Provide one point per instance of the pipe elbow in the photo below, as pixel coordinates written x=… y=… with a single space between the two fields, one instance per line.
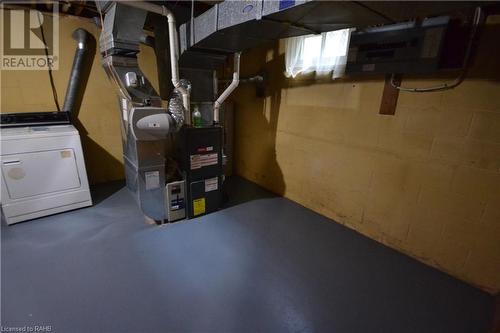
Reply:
x=81 y=36
x=167 y=13
x=234 y=84
x=170 y=16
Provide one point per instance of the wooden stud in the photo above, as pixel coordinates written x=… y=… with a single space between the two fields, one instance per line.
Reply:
x=390 y=96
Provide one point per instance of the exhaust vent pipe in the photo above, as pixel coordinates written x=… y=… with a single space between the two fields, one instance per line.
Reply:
x=229 y=89
x=82 y=64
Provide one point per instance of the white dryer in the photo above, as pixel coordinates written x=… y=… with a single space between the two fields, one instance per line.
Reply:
x=43 y=172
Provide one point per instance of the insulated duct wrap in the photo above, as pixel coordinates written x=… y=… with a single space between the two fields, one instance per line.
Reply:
x=176 y=106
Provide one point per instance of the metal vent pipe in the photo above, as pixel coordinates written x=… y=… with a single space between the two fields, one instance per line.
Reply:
x=84 y=56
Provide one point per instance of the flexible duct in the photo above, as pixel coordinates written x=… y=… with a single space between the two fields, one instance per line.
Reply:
x=83 y=57
x=174 y=44
x=176 y=105
x=229 y=89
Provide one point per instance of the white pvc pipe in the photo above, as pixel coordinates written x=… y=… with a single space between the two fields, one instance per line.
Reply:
x=230 y=89
x=174 y=44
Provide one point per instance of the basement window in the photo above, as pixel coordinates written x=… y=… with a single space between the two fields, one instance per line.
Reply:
x=323 y=54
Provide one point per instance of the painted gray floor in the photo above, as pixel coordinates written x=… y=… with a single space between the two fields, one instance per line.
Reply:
x=264 y=264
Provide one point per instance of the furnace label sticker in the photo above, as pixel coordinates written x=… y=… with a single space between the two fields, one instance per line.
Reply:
x=201 y=160
x=152 y=180
x=211 y=184
x=198 y=206
x=205 y=149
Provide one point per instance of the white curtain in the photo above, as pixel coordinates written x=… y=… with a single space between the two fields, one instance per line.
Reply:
x=322 y=53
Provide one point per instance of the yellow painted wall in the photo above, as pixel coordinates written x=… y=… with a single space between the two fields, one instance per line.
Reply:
x=98 y=120
x=425 y=181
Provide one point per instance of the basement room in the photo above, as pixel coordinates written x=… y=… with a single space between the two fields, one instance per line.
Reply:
x=250 y=166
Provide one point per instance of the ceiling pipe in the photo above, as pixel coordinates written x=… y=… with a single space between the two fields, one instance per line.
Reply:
x=230 y=89
x=174 y=44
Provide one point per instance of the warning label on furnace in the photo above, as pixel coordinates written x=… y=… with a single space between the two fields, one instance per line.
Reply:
x=198 y=206
x=201 y=160
x=211 y=184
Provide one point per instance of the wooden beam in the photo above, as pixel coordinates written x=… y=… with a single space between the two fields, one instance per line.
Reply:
x=390 y=96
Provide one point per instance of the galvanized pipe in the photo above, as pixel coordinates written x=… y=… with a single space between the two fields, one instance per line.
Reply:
x=83 y=56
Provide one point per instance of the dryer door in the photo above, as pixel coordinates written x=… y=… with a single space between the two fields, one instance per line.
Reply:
x=37 y=173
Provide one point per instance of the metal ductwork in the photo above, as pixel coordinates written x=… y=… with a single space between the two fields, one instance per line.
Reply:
x=146 y=125
x=174 y=48
x=82 y=64
x=233 y=26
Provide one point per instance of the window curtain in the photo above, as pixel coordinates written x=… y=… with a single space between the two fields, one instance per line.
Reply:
x=325 y=53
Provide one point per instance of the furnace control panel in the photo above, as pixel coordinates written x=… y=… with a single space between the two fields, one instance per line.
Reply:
x=175 y=201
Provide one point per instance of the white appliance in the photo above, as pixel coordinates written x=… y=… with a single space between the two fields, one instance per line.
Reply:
x=43 y=172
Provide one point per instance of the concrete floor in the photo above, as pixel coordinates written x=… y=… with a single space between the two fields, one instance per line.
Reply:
x=264 y=264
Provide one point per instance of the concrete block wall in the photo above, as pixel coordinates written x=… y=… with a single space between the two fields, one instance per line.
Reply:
x=98 y=119
x=425 y=181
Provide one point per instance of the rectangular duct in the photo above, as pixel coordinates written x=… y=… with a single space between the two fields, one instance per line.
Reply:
x=233 y=26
